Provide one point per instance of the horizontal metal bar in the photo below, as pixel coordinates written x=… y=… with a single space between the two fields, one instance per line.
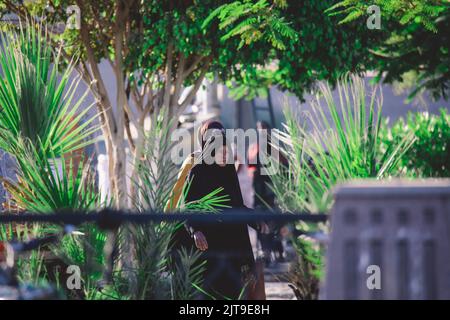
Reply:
x=110 y=217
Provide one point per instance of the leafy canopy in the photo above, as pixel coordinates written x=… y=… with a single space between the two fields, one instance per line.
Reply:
x=416 y=41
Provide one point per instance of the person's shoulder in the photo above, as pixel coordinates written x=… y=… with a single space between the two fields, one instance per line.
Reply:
x=190 y=159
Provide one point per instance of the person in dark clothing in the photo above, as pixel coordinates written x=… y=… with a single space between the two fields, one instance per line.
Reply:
x=264 y=196
x=226 y=246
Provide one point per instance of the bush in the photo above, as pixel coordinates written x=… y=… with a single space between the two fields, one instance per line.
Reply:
x=342 y=143
x=429 y=156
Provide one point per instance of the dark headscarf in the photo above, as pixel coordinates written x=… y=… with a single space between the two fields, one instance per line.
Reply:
x=210 y=177
x=209 y=125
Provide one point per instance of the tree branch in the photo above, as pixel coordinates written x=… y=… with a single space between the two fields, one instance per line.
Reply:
x=168 y=75
x=193 y=66
x=179 y=77
x=194 y=90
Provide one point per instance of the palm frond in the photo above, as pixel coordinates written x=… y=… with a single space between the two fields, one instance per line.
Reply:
x=50 y=184
x=37 y=97
x=341 y=143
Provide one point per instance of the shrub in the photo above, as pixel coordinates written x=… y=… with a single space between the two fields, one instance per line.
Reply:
x=429 y=156
x=343 y=143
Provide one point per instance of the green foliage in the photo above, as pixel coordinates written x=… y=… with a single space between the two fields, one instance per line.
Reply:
x=318 y=51
x=253 y=44
x=152 y=260
x=253 y=21
x=43 y=126
x=307 y=272
x=211 y=203
x=37 y=97
x=343 y=143
x=156 y=173
x=252 y=86
x=49 y=184
x=30 y=268
x=340 y=141
x=236 y=36
x=85 y=249
x=429 y=156
x=188 y=275
x=288 y=184
x=415 y=40
x=423 y=12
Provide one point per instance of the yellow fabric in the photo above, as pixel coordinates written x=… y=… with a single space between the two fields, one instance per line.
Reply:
x=177 y=189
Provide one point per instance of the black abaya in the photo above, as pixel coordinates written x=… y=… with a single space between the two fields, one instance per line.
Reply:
x=229 y=256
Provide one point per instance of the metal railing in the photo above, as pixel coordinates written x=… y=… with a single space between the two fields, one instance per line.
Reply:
x=111 y=220
x=112 y=217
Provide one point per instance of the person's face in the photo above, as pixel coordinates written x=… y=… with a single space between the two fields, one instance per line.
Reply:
x=222 y=155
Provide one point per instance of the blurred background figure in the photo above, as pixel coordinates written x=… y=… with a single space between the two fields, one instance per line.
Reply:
x=245 y=179
x=248 y=194
x=264 y=198
x=263 y=194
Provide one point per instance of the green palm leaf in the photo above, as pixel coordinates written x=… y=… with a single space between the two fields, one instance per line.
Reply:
x=37 y=97
x=342 y=143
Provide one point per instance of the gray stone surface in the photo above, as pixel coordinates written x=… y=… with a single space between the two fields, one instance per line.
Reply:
x=279 y=291
x=276 y=287
x=400 y=226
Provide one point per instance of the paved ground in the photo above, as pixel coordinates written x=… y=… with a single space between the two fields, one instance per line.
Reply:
x=276 y=288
